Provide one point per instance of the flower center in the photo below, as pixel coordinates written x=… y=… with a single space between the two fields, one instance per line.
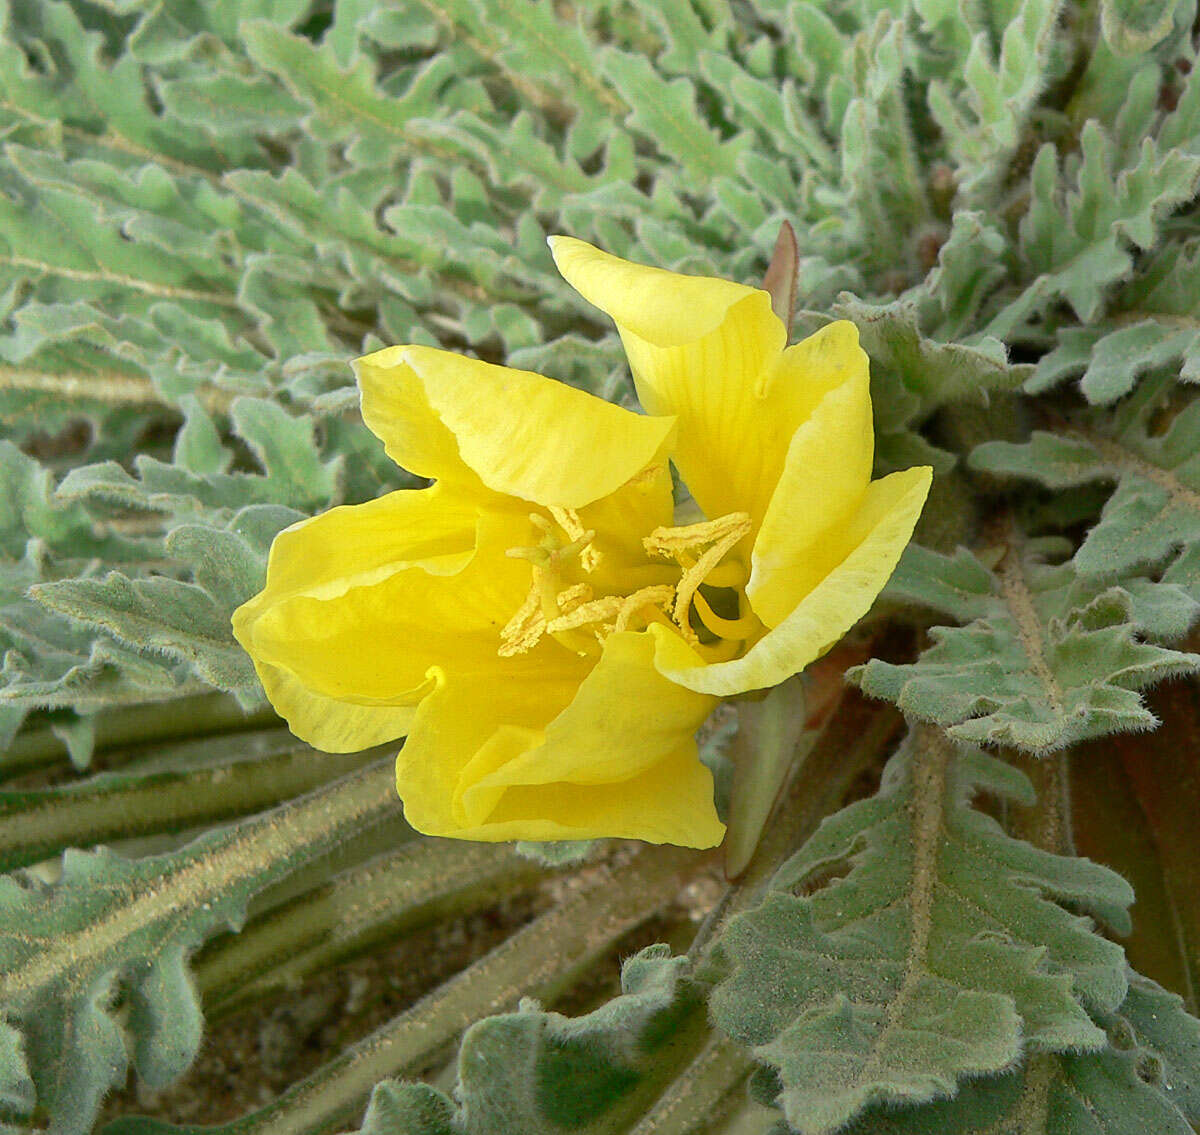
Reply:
x=706 y=605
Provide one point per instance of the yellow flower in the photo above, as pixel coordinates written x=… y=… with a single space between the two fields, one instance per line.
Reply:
x=540 y=625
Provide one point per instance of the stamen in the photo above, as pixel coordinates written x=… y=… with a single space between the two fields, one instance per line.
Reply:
x=596 y=611
x=671 y=541
x=722 y=535
x=578 y=620
x=524 y=630
x=547 y=596
x=572 y=596
x=658 y=597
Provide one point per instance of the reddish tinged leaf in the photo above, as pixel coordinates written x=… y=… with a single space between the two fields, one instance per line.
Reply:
x=1136 y=805
x=780 y=277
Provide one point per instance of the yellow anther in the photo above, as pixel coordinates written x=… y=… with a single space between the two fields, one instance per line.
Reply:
x=548 y=597
x=524 y=630
x=658 y=598
x=603 y=610
x=720 y=536
x=570 y=598
x=572 y=614
x=725 y=530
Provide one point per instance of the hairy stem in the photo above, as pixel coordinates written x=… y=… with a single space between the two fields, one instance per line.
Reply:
x=194 y=716
x=542 y=959
x=856 y=734
x=423 y=882
x=244 y=859
x=701 y=1094
x=111 y=807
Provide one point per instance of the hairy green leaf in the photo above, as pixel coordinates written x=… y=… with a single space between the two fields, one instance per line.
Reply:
x=1084 y=216
x=1046 y=656
x=1134 y=26
x=580 y=1074
x=1146 y=1080
x=944 y=953
x=1154 y=510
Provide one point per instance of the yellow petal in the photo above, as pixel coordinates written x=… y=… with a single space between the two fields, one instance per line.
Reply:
x=823 y=481
x=621 y=520
x=863 y=558
x=624 y=718
x=453 y=723
x=329 y=725
x=671 y=802
x=711 y=353
x=355 y=545
x=616 y=759
x=518 y=433
x=665 y=309
x=396 y=410
x=373 y=640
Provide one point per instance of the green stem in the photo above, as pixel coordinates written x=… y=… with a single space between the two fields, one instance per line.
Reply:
x=198 y=715
x=141 y=920
x=1046 y=823
x=851 y=742
x=763 y=750
x=426 y=881
x=699 y=1096
x=34 y=825
x=542 y=959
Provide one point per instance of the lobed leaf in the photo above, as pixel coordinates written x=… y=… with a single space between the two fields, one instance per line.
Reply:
x=1147 y=1080
x=942 y=949
x=1047 y=656
x=580 y=1074
x=1152 y=515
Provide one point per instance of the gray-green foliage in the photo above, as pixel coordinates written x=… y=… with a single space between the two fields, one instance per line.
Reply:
x=941 y=954
x=1152 y=519
x=578 y=1074
x=1047 y=657
x=1147 y=1079
x=207 y=209
x=112 y=926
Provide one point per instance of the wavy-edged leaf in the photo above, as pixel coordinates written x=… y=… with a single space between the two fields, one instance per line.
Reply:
x=1133 y=27
x=544 y=957
x=1154 y=510
x=585 y=1074
x=946 y=951
x=983 y=124
x=1046 y=657
x=1083 y=218
x=1148 y=1079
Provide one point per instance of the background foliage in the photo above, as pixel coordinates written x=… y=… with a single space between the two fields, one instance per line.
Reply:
x=207 y=209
